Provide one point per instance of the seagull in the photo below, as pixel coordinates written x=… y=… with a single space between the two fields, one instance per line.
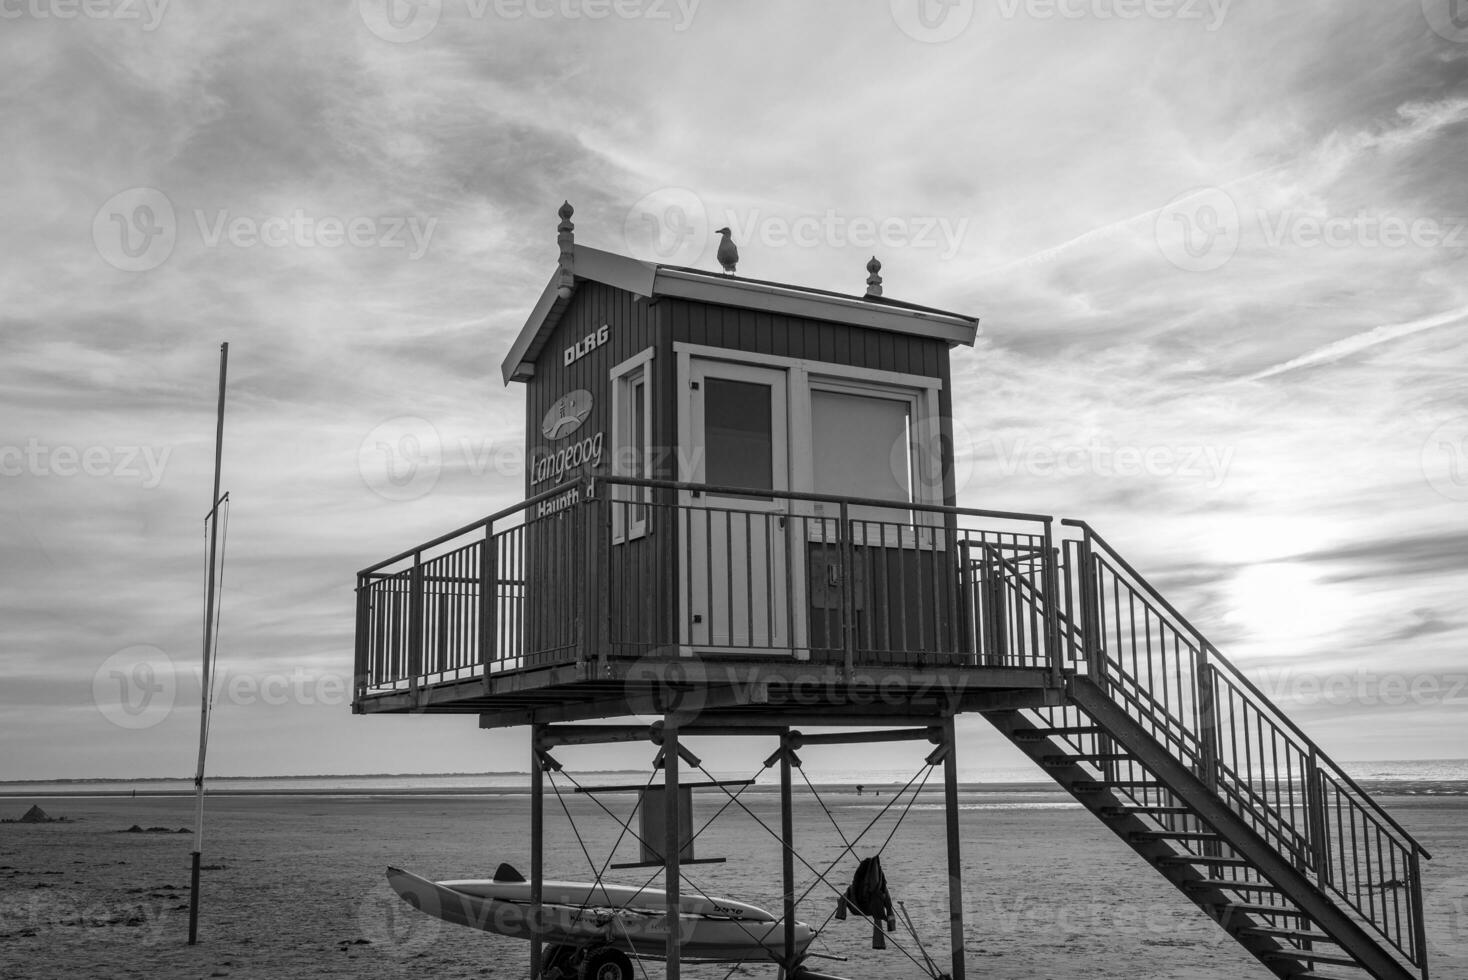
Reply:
x=728 y=252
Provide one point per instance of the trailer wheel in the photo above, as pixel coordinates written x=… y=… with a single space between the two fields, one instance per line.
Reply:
x=606 y=964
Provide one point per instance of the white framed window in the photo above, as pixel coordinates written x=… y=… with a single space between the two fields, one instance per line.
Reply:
x=862 y=444
x=631 y=384
x=854 y=432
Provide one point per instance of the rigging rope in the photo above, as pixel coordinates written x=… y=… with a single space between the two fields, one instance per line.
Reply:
x=683 y=875
x=821 y=877
x=207 y=695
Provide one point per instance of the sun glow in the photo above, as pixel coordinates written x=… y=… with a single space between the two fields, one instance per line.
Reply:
x=1283 y=605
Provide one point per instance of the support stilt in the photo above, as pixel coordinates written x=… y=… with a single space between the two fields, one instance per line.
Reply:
x=787 y=857
x=955 y=861
x=537 y=848
x=671 y=846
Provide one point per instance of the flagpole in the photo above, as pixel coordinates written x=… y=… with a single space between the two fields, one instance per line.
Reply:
x=205 y=685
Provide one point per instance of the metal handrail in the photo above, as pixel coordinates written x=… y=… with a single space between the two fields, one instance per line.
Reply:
x=1217 y=658
x=471 y=526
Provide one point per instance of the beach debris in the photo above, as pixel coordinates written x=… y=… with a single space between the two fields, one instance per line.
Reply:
x=136 y=829
x=36 y=815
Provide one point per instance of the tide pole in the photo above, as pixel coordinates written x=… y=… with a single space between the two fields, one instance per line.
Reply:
x=205 y=679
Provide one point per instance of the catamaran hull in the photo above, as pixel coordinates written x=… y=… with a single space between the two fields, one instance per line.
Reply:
x=571 y=915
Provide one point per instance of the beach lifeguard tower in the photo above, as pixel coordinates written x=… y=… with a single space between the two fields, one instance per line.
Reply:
x=740 y=518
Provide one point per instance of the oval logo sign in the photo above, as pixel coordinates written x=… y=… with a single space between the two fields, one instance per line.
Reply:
x=566 y=415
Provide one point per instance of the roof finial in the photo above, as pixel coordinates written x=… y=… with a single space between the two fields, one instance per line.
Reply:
x=874 y=278
x=567 y=241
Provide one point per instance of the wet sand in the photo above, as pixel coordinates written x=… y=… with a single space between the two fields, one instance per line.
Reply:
x=295 y=888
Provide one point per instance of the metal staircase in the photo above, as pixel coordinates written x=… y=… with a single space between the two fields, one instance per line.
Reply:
x=1193 y=767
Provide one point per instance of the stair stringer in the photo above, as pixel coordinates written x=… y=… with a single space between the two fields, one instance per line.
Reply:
x=1214 y=811
x=1091 y=793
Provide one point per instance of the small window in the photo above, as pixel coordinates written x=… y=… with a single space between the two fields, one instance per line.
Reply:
x=632 y=445
x=739 y=434
x=861 y=445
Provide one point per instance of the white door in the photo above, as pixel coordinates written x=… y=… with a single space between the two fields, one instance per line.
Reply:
x=736 y=550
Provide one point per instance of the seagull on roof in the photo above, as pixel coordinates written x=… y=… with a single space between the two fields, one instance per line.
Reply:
x=728 y=252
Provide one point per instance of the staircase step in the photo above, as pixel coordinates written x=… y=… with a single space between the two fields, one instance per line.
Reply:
x=1220 y=862
x=1293 y=955
x=1066 y=760
x=1252 y=908
x=1211 y=884
x=1096 y=786
x=1293 y=935
x=1143 y=836
x=1035 y=735
x=1160 y=811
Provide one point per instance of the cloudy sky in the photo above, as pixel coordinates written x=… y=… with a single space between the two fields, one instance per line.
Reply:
x=1218 y=250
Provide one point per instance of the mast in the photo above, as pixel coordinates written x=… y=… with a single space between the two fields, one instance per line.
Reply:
x=206 y=682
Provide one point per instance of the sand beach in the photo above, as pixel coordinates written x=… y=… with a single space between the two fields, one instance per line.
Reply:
x=294 y=886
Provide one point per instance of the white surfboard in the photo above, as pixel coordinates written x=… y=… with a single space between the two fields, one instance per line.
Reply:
x=631 y=919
